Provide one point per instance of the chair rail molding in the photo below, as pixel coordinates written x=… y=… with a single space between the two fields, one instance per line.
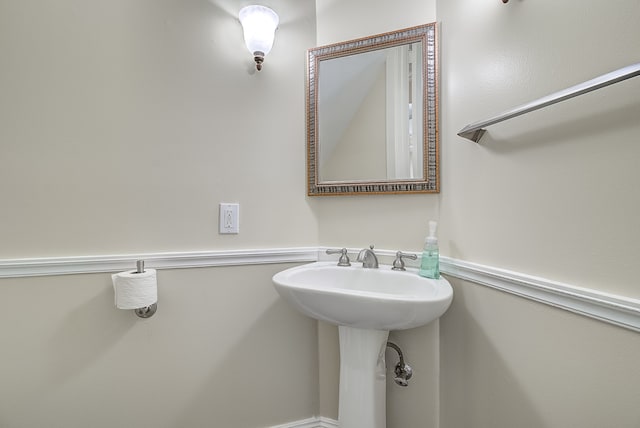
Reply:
x=614 y=309
x=45 y=266
x=619 y=310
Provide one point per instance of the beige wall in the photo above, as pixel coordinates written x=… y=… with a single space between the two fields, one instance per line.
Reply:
x=222 y=342
x=509 y=362
x=122 y=126
x=551 y=194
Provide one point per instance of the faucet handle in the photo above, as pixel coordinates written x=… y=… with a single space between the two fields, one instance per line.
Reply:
x=344 y=258
x=398 y=263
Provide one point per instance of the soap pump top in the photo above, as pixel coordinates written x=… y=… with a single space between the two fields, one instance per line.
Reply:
x=432 y=239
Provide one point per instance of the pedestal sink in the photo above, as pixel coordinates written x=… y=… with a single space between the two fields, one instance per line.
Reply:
x=366 y=304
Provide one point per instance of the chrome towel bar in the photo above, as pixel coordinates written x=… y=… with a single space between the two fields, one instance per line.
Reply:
x=475 y=131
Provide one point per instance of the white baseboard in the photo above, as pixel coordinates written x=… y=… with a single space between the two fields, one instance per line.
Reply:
x=318 y=422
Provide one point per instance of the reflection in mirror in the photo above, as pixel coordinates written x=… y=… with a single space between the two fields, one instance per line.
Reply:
x=367 y=107
x=372 y=115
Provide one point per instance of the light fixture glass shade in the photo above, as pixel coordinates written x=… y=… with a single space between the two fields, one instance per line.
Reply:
x=259 y=24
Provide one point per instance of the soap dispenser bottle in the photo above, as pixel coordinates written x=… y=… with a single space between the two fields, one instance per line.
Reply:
x=430 y=263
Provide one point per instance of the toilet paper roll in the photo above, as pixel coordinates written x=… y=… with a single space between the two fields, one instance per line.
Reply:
x=135 y=290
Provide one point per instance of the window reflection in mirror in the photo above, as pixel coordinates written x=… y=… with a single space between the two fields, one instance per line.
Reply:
x=367 y=111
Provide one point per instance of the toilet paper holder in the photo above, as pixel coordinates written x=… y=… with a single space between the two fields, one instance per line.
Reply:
x=146 y=311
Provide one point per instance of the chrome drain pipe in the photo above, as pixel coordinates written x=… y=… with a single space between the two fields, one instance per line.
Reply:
x=402 y=371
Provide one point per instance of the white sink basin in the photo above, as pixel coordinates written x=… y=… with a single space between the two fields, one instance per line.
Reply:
x=376 y=299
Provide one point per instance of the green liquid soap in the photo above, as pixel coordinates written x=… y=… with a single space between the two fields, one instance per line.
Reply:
x=430 y=263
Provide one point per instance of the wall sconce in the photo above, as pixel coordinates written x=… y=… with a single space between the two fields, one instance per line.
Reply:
x=259 y=24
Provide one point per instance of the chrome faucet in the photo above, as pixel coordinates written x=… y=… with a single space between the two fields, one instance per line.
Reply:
x=368 y=258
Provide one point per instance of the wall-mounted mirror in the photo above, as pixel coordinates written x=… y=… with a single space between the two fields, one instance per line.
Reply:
x=372 y=115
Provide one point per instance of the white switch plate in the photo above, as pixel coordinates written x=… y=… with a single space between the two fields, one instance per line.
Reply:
x=229 y=218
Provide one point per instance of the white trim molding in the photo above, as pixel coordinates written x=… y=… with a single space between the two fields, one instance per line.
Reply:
x=619 y=310
x=311 y=423
x=115 y=263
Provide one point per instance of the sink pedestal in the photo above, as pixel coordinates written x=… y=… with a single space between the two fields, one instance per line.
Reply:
x=367 y=304
x=362 y=400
